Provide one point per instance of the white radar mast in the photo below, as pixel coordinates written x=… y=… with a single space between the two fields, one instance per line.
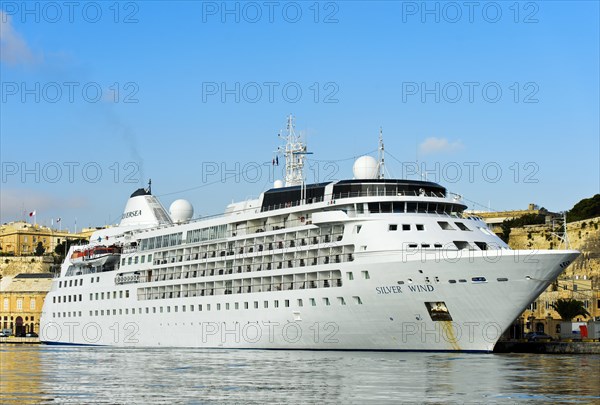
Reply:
x=381 y=163
x=294 y=152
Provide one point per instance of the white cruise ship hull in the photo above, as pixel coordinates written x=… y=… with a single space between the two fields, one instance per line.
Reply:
x=385 y=304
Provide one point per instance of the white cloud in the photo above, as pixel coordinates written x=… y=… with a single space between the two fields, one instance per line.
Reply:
x=13 y=48
x=439 y=145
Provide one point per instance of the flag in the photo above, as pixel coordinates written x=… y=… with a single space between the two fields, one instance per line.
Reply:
x=32 y=213
x=276 y=160
x=58 y=220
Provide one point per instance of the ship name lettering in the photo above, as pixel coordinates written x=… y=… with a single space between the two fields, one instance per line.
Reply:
x=393 y=289
x=421 y=288
x=130 y=214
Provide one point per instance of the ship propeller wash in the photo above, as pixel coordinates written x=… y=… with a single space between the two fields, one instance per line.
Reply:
x=368 y=263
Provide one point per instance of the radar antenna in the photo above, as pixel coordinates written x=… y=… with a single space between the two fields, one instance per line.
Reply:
x=381 y=163
x=294 y=152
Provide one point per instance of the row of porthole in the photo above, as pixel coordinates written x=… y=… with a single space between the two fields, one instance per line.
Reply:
x=462 y=280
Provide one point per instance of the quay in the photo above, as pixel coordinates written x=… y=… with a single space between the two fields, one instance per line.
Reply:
x=563 y=347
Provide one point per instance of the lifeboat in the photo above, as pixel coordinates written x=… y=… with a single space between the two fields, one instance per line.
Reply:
x=96 y=256
x=77 y=256
x=100 y=255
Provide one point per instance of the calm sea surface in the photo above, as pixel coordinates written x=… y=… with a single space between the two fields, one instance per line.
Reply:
x=40 y=374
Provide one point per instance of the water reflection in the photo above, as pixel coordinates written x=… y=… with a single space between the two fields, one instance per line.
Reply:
x=34 y=374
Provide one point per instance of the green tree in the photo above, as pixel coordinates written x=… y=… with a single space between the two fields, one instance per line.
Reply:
x=61 y=249
x=528 y=219
x=40 y=249
x=569 y=309
x=584 y=209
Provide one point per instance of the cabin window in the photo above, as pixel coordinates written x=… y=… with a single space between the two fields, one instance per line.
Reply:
x=313 y=302
x=255 y=304
x=420 y=227
x=300 y=302
x=208 y=307
x=218 y=307
x=246 y=305
x=392 y=227
x=501 y=279
x=136 y=260
x=341 y=301
x=287 y=303
x=326 y=301
x=406 y=227
x=365 y=275
x=357 y=300
x=452 y=281
x=478 y=279
x=122 y=264
x=143 y=259
x=129 y=260
x=350 y=275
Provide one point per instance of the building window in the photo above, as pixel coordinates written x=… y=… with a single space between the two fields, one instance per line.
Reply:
x=32 y=304
x=6 y=304
x=20 y=304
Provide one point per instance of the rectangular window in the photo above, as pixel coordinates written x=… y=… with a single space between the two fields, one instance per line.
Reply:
x=326 y=301
x=350 y=275
x=246 y=305
x=392 y=227
x=462 y=226
x=406 y=227
x=445 y=226
x=299 y=302
x=287 y=303
x=6 y=304
x=255 y=304
x=183 y=308
x=313 y=302
x=218 y=307
x=126 y=293
x=341 y=301
x=365 y=275
x=20 y=304
x=420 y=227
x=143 y=259
x=208 y=307
x=357 y=300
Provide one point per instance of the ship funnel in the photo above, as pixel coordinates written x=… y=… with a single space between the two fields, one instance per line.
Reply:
x=144 y=210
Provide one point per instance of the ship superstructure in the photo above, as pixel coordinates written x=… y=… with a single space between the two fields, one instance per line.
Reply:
x=367 y=263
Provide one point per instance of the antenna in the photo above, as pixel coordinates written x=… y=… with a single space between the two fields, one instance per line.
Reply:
x=294 y=153
x=381 y=164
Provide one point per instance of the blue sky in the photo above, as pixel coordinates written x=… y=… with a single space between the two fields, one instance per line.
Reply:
x=499 y=103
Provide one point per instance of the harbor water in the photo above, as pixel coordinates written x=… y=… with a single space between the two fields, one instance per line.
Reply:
x=69 y=374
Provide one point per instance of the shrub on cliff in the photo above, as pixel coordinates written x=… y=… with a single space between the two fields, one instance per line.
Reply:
x=584 y=209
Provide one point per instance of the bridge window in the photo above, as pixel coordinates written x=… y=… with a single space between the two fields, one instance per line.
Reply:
x=482 y=245
x=445 y=226
x=462 y=226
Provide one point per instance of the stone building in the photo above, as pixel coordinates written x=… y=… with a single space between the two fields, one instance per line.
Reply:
x=22 y=238
x=21 y=300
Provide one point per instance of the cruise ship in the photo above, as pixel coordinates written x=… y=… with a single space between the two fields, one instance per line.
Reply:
x=367 y=263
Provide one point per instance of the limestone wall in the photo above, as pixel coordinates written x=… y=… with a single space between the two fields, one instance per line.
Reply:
x=13 y=265
x=583 y=236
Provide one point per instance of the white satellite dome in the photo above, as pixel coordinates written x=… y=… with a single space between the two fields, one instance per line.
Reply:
x=181 y=211
x=365 y=167
x=278 y=184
